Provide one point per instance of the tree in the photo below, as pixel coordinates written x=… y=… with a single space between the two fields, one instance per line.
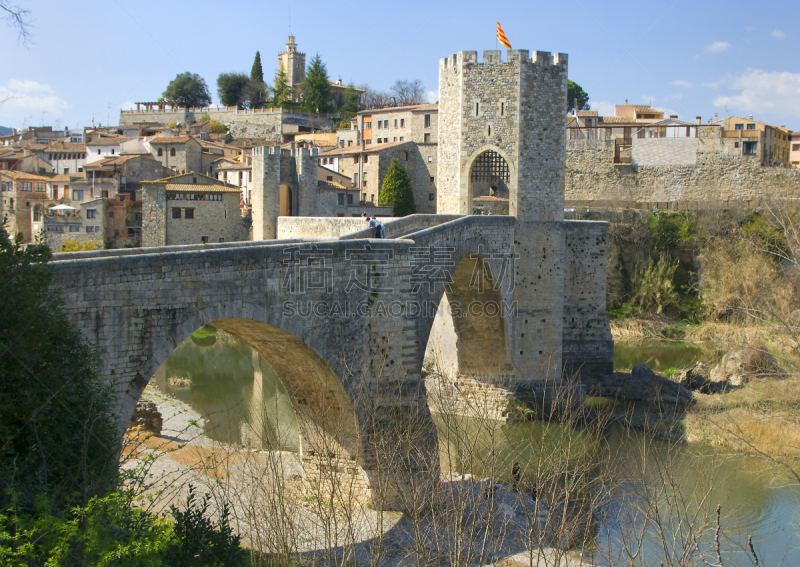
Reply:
x=351 y=99
x=408 y=92
x=396 y=190
x=317 y=87
x=58 y=436
x=256 y=91
x=17 y=17
x=575 y=91
x=188 y=90
x=230 y=88
x=281 y=91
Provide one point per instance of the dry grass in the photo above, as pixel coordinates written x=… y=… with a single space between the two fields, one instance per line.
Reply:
x=650 y=326
x=760 y=418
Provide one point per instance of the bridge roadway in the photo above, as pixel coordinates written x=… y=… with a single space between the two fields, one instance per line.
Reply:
x=344 y=323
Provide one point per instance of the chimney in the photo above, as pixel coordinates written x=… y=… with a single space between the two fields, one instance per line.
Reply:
x=699 y=120
x=675 y=116
x=751 y=117
x=715 y=117
x=626 y=102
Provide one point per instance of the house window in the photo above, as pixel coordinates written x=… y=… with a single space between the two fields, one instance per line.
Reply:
x=364 y=183
x=395 y=139
x=98 y=151
x=176 y=213
x=404 y=155
x=355 y=179
x=395 y=122
x=380 y=123
x=172 y=152
x=329 y=178
x=204 y=239
x=366 y=158
x=386 y=124
x=350 y=199
x=402 y=123
x=189 y=214
x=25 y=186
x=428 y=119
x=430 y=196
x=796 y=147
x=751 y=126
x=104 y=194
x=160 y=152
x=427 y=138
x=77 y=195
x=401 y=138
x=77 y=228
x=91 y=213
x=132 y=232
x=111 y=214
x=341 y=198
x=355 y=159
x=502 y=109
x=750 y=148
x=477 y=110
x=739 y=126
x=66 y=170
x=40 y=187
x=431 y=178
x=736 y=144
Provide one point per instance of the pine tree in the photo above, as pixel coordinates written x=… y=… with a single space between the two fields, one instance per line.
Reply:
x=397 y=191
x=281 y=91
x=317 y=87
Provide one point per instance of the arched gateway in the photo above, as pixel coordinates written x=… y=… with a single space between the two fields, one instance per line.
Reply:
x=346 y=323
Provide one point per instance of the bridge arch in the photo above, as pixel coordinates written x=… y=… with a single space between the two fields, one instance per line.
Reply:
x=325 y=411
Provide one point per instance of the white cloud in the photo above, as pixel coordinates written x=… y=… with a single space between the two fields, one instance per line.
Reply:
x=718 y=47
x=763 y=92
x=712 y=85
x=432 y=96
x=26 y=96
x=604 y=108
x=681 y=83
x=779 y=34
x=749 y=28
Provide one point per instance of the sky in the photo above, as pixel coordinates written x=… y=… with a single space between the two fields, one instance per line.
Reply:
x=88 y=59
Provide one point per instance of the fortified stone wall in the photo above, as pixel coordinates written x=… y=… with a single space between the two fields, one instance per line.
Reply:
x=719 y=177
x=214 y=221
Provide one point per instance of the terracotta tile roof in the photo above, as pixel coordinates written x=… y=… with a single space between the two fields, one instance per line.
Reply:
x=170 y=140
x=234 y=165
x=108 y=141
x=64 y=147
x=334 y=185
x=370 y=149
x=617 y=120
x=587 y=113
x=189 y=188
x=23 y=175
x=423 y=106
x=187 y=175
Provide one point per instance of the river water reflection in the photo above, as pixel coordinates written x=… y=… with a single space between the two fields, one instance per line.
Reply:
x=243 y=402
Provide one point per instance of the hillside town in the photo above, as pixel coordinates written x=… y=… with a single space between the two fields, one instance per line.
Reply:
x=95 y=187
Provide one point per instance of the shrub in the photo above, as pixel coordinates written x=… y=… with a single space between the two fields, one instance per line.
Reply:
x=396 y=190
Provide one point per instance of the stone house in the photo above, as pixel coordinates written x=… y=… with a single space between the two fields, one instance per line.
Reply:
x=22 y=194
x=190 y=209
x=123 y=220
x=773 y=147
x=123 y=174
x=181 y=154
x=85 y=224
x=416 y=123
x=367 y=168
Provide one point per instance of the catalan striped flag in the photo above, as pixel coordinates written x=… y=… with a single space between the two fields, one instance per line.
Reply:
x=501 y=36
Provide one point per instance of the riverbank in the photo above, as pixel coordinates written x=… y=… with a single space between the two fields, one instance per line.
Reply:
x=270 y=501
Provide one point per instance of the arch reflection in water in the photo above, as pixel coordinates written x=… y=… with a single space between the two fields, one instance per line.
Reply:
x=233 y=388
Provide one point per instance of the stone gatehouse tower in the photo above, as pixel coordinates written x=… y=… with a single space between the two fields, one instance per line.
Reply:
x=503 y=120
x=502 y=128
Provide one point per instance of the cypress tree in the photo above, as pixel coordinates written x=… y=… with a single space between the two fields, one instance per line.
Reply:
x=397 y=191
x=256 y=88
x=257 y=73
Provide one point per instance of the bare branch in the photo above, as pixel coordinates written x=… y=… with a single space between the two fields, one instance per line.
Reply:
x=17 y=17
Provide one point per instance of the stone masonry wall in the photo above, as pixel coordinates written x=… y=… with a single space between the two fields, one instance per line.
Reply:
x=318 y=227
x=216 y=221
x=718 y=178
x=664 y=151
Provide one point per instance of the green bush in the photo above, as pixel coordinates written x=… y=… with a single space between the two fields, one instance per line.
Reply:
x=397 y=191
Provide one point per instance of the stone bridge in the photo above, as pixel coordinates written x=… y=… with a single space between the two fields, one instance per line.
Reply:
x=345 y=323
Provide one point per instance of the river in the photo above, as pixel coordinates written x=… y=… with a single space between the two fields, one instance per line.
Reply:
x=225 y=381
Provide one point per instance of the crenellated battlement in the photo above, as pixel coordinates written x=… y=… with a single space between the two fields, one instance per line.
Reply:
x=495 y=57
x=285 y=152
